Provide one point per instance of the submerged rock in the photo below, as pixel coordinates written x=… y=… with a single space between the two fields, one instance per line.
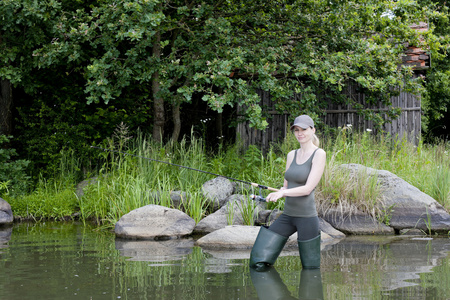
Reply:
x=154 y=222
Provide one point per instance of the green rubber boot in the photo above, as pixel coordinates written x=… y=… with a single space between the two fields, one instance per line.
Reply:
x=310 y=253
x=266 y=249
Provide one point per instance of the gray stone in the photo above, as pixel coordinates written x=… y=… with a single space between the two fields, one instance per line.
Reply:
x=262 y=217
x=154 y=222
x=407 y=206
x=242 y=188
x=179 y=199
x=229 y=214
x=412 y=231
x=79 y=190
x=6 y=214
x=243 y=237
x=273 y=216
x=330 y=230
x=217 y=190
x=356 y=223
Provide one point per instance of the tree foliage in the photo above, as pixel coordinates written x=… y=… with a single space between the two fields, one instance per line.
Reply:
x=107 y=60
x=226 y=50
x=436 y=97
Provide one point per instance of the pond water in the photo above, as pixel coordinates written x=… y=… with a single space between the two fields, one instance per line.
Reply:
x=76 y=261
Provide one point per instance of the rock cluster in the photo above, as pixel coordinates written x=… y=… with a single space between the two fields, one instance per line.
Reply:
x=407 y=209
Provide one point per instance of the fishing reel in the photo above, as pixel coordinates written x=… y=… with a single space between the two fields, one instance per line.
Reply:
x=258 y=197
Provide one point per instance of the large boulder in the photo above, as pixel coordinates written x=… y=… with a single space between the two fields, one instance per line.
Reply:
x=154 y=222
x=330 y=230
x=356 y=223
x=217 y=191
x=243 y=237
x=6 y=215
x=407 y=206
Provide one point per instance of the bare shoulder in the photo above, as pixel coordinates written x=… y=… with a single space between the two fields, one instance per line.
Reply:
x=320 y=154
x=291 y=154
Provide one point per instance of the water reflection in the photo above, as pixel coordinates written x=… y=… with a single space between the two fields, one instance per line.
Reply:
x=72 y=260
x=399 y=260
x=269 y=285
x=155 y=251
x=5 y=236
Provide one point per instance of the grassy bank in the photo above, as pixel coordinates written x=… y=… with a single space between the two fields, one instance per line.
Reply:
x=126 y=182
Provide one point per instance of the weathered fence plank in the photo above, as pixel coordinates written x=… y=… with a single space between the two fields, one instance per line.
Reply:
x=407 y=125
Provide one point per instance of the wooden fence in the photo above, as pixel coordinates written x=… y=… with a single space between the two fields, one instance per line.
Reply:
x=407 y=125
x=276 y=131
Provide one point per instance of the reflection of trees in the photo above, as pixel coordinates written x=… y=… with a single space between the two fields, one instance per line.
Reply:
x=91 y=263
x=383 y=265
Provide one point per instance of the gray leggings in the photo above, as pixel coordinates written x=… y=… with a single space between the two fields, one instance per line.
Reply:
x=307 y=228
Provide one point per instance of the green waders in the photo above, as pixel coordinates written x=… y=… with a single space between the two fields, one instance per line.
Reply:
x=310 y=253
x=267 y=248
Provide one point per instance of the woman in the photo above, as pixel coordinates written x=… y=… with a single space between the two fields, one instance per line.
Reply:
x=304 y=168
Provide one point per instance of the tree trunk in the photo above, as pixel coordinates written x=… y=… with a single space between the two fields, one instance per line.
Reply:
x=158 y=102
x=6 y=100
x=176 y=121
x=219 y=128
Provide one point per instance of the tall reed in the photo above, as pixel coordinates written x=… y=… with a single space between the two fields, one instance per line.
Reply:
x=126 y=182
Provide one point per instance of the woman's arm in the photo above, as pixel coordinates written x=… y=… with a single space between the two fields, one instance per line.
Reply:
x=317 y=168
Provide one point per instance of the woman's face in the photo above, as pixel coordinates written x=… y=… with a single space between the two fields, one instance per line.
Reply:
x=304 y=135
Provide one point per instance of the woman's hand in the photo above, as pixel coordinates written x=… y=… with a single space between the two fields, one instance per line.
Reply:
x=273 y=197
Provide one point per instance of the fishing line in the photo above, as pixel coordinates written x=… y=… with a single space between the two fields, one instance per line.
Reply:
x=189 y=168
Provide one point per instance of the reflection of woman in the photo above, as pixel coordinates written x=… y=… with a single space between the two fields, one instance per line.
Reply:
x=269 y=285
x=304 y=169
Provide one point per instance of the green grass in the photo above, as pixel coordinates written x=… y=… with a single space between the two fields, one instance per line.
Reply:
x=127 y=182
x=50 y=200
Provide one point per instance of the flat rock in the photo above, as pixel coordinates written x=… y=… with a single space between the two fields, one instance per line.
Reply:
x=243 y=237
x=154 y=222
x=357 y=223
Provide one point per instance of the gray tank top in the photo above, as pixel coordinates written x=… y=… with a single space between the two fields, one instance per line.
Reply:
x=297 y=175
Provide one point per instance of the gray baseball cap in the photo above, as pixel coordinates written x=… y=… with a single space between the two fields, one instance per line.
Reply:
x=303 y=121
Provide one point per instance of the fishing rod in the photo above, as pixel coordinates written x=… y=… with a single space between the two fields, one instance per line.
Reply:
x=259 y=198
